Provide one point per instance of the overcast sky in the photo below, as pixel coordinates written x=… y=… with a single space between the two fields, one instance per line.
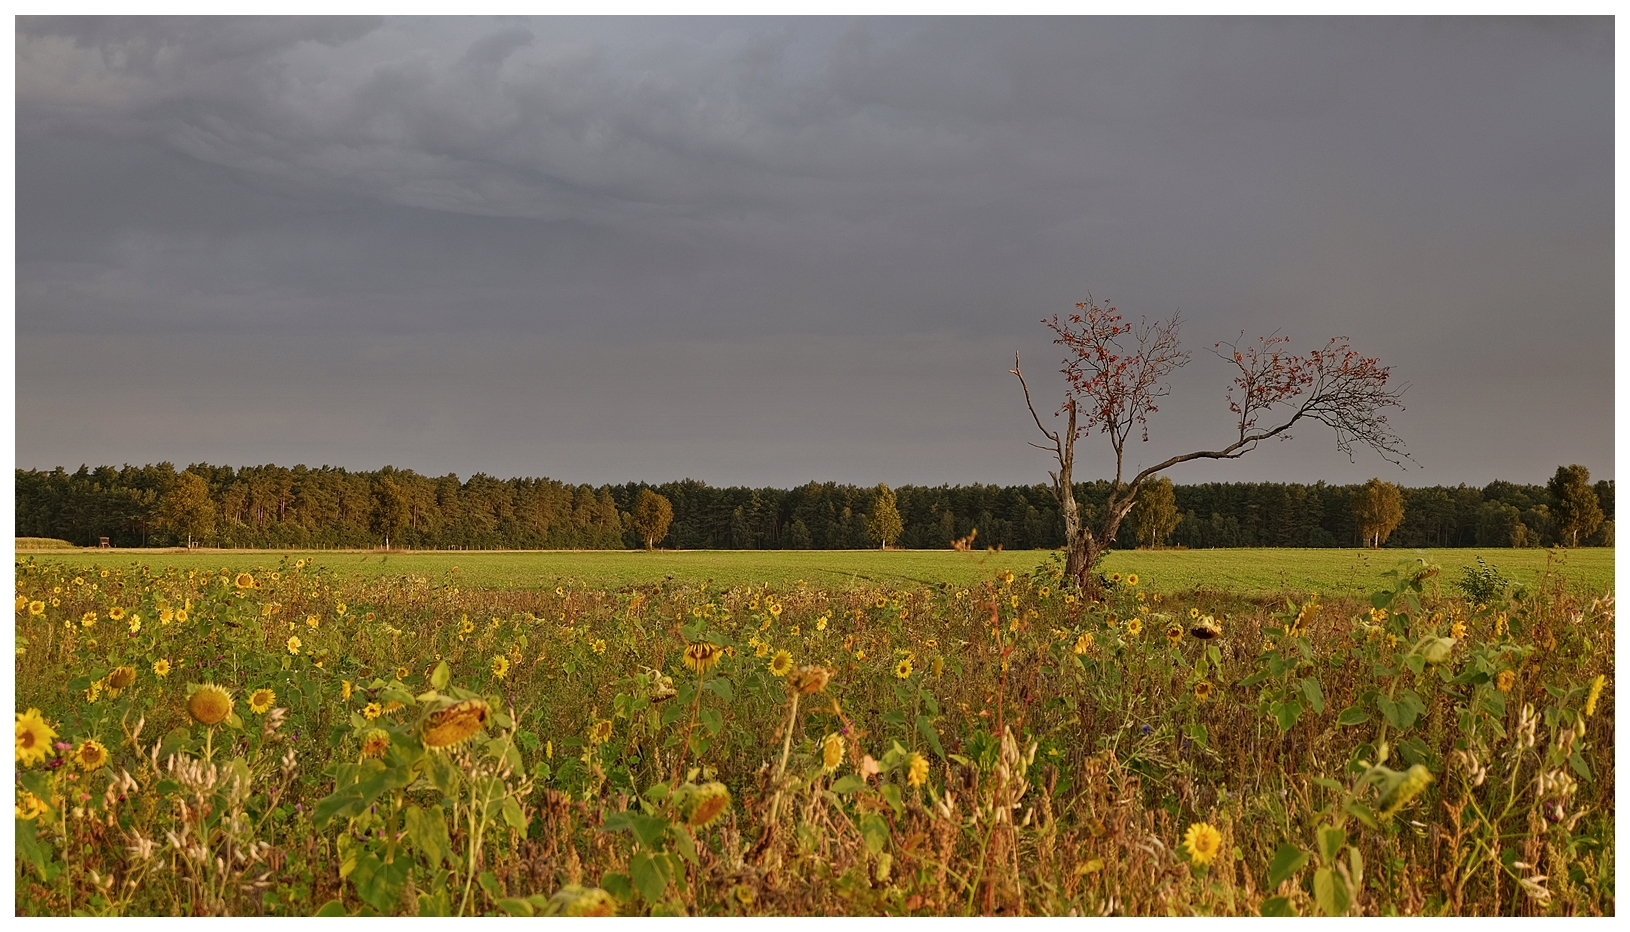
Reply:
x=765 y=251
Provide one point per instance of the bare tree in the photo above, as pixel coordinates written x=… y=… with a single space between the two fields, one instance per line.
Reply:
x=1116 y=373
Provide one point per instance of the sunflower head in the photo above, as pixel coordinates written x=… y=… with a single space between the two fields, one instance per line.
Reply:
x=245 y=581
x=375 y=743
x=116 y=613
x=121 y=677
x=90 y=755
x=1504 y=680
x=702 y=655
x=1134 y=627
x=1131 y=579
x=781 y=663
x=500 y=666
x=1202 y=841
x=1205 y=628
x=600 y=732
x=260 y=701
x=1174 y=634
x=1202 y=690
x=36 y=607
x=832 y=752
x=450 y=725
x=902 y=670
x=1397 y=789
x=575 y=900
x=1595 y=694
x=29 y=807
x=699 y=805
x=33 y=737
x=808 y=679
x=161 y=667
x=209 y=704
x=371 y=711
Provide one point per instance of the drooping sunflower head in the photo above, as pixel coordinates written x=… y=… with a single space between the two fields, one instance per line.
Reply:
x=33 y=737
x=260 y=701
x=1202 y=841
x=700 y=805
x=600 y=732
x=121 y=677
x=1504 y=680
x=209 y=704
x=1202 y=690
x=29 y=807
x=90 y=755
x=808 y=679
x=455 y=723
x=245 y=581
x=375 y=743
x=1397 y=789
x=702 y=655
x=574 y=900
x=1174 y=634
x=345 y=690
x=1205 y=628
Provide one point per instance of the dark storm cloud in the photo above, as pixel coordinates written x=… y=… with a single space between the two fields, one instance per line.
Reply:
x=764 y=251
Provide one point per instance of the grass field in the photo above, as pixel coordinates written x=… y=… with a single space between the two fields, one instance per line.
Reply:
x=1243 y=572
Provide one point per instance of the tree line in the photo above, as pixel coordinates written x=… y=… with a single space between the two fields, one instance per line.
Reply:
x=302 y=507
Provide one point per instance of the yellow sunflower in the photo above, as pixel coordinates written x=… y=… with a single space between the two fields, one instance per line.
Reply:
x=245 y=581
x=401 y=673
x=29 y=807
x=313 y=622
x=161 y=667
x=345 y=690
x=1174 y=634
x=1131 y=579
x=116 y=613
x=1595 y=694
x=90 y=755
x=181 y=615
x=1134 y=627
x=500 y=666
x=832 y=752
x=902 y=670
x=1202 y=842
x=339 y=608
x=294 y=644
x=1202 y=690
x=775 y=609
x=371 y=711
x=36 y=607
x=1194 y=613
x=87 y=620
x=209 y=704
x=33 y=737
x=781 y=663
x=260 y=701
x=1505 y=680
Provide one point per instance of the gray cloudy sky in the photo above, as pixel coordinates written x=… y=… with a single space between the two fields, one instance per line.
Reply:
x=763 y=251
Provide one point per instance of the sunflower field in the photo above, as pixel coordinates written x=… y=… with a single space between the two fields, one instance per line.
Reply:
x=284 y=740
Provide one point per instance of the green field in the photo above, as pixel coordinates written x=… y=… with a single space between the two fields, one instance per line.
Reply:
x=1244 y=571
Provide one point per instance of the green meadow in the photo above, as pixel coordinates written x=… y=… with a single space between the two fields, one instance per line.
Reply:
x=1246 y=572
